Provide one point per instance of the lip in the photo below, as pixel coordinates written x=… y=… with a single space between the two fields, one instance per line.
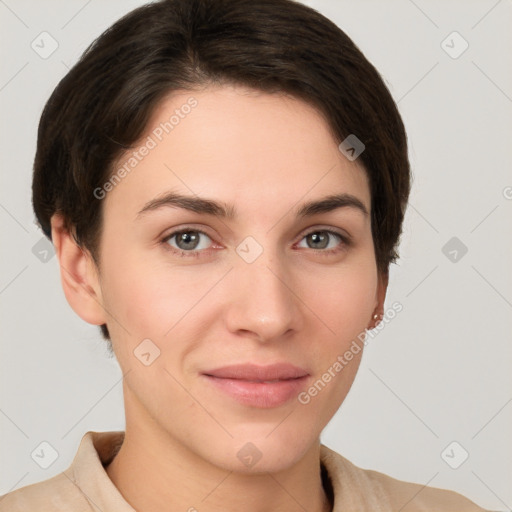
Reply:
x=258 y=386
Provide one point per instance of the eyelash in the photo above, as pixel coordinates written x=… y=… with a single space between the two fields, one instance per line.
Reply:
x=345 y=242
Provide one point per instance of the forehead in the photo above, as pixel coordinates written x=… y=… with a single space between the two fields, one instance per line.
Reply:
x=239 y=146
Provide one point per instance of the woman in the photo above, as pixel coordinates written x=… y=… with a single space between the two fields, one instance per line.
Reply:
x=225 y=184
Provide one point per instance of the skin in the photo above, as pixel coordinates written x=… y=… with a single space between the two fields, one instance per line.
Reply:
x=266 y=155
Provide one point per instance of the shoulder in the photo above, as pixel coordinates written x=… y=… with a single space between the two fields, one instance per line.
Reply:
x=370 y=490
x=57 y=494
x=83 y=487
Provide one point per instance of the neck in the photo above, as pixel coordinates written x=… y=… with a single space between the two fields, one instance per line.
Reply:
x=181 y=480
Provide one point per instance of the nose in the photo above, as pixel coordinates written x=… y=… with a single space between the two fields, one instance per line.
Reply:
x=263 y=304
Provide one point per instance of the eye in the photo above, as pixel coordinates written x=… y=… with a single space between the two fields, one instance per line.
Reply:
x=188 y=241
x=326 y=241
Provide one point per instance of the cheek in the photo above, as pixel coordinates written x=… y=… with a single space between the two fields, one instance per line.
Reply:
x=153 y=299
x=138 y=297
x=343 y=299
x=149 y=298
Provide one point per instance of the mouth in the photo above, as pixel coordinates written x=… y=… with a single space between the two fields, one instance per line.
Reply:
x=258 y=386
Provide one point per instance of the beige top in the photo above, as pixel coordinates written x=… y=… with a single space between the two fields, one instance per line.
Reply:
x=86 y=487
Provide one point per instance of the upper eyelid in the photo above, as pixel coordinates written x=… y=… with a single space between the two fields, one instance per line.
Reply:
x=336 y=231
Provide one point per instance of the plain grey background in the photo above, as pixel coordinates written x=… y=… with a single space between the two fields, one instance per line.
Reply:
x=438 y=373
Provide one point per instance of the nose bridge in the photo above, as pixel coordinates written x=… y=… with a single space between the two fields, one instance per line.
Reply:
x=262 y=301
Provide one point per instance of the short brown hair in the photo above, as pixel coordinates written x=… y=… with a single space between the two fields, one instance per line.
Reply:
x=102 y=106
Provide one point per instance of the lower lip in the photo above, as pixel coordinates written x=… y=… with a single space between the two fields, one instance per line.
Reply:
x=259 y=394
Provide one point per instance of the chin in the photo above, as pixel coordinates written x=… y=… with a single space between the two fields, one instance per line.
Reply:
x=261 y=452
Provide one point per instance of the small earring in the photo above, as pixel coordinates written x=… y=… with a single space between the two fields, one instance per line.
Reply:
x=376 y=316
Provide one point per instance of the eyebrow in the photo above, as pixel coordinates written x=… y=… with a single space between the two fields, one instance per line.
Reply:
x=222 y=210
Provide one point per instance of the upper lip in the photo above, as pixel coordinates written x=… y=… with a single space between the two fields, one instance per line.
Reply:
x=252 y=372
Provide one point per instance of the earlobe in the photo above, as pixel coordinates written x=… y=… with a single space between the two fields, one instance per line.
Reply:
x=79 y=276
x=378 y=312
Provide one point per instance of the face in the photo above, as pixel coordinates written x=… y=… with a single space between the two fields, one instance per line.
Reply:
x=226 y=318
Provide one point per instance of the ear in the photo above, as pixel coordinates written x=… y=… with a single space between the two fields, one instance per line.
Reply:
x=382 y=287
x=79 y=275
